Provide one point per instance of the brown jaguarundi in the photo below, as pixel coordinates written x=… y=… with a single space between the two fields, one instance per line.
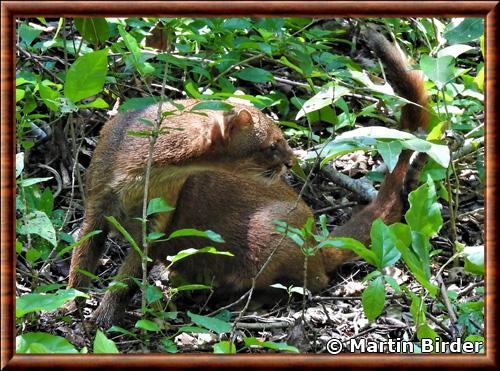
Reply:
x=243 y=141
x=242 y=209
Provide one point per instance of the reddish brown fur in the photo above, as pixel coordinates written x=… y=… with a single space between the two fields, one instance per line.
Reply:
x=242 y=210
x=240 y=141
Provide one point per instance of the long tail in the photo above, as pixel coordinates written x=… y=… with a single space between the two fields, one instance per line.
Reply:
x=390 y=202
x=406 y=82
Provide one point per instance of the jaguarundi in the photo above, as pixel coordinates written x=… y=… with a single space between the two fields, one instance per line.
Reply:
x=243 y=141
x=242 y=210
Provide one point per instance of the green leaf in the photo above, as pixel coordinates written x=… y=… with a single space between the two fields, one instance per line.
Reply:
x=137 y=103
x=236 y=23
x=147 y=325
x=131 y=43
x=190 y=232
x=49 y=97
x=28 y=34
x=468 y=29
x=426 y=332
x=191 y=287
x=474 y=259
x=390 y=153
x=424 y=215
x=86 y=75
x=20 y=94
x=440 y=70
x=295 y=234
x=103 y=345
x=158 y=205
x=211 y=323
x=454 y=50
x=82 y=239
x=383 y=245
x=254 y=74
x=438 y=152
x=33 y=255
x=46 y=201
x=189 y=252
x=125 y=234
x=155 y=236
x=437 y=131
x=97 y=103
x=29 y=303
x=324 y=98
x=41 y=342
x=121 y=330
x=417 y=263
x=373 y=298
x=270 y=345
x=168 y=345
x=225 y=347
x=30 y=181
x=479 y=79
x=153 y=294
x=212 y=105
x=376 y=132
x=393 y=283
x=94 y=30
x=37 y=222
x=353 y=245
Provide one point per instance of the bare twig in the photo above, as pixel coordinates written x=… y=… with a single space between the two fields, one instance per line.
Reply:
x=451 y=312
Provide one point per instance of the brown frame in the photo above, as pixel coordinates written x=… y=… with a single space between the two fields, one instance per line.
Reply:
x=12 y=9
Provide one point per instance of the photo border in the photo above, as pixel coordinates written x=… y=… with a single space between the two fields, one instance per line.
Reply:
x=14 y=9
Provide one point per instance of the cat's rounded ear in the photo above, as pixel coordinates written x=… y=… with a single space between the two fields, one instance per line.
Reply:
x=233 y=121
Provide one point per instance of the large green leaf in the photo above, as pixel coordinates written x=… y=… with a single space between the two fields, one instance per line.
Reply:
x=37 y=222
x=103 y=345
x=324 y=98
x=374 y=132
x=94 y=30
x=474 y=259
x=390 y=152
x=147 y=325
x=86 y=75
x=211 y=323
x=353 y=245
x=402 y=238
x=454 y=50
x=254 y=74
x=373 y=298
x=424 y=215
x=136 y=57
x=29 y=303
x=41 y=342
x=28 y=34
x=49 y=97
x=468 y=29
x=440 y=70
x=383 y=245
